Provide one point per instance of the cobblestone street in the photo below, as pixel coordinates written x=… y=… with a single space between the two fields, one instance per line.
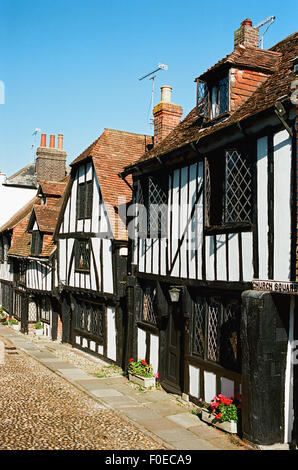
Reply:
x=40 y=410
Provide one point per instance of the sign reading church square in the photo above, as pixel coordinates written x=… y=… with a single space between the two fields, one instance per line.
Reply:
x=276 y=286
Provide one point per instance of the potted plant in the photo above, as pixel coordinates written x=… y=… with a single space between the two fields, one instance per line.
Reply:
x=222 y=413
x=141 y=373
x=38 y=328
x=14 y=324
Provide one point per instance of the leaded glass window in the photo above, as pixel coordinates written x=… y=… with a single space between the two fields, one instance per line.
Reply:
x=237 y=188
x=90 y=318
x=228 y=188
x=152 y=207
x=148 y=312
x=216 y=331
x=199 y=321
x=202 y=98
x=82 y=255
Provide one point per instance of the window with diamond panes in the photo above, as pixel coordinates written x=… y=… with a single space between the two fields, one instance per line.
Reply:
x=152 y=207
x=216 y=330
x=82 y=255
x=199 y=322
x=148 y=312
x=237 y=188
x=89 y=318
x=228 y=189
x=202 y=98
x=214 y=314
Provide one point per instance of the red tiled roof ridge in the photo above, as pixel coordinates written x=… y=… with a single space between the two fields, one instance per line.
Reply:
x=89 y=151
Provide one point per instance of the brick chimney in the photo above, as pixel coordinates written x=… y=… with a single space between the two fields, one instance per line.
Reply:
x=246 y=34
x=167 y=115
x=50 y=161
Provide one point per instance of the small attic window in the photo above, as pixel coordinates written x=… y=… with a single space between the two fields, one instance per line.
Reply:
x=213 y=98
x=36 y=244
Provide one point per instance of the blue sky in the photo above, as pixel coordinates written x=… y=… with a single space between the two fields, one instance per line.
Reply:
x=73 y=66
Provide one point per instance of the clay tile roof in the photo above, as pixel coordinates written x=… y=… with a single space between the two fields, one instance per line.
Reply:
x=46 y=218
x=277 y=85
x=111 y=153
x=53 y=188
x=248 y=56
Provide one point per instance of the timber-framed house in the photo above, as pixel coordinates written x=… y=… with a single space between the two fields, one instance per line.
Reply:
x=32 y=261
x=213 y=244
x=27 y=263
x=91 y=237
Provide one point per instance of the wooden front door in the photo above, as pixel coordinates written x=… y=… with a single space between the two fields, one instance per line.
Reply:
x=174 y=364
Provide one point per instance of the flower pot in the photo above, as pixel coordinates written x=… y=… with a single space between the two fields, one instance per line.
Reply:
x=228 y=426
x=145 y=382
x=38 y=331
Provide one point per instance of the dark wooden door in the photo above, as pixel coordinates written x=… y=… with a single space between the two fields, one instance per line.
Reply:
x=174 y=364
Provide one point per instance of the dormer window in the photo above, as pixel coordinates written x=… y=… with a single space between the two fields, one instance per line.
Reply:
x=36 y=243
x=213 y=98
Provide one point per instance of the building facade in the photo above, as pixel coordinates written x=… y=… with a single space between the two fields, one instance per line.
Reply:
x=215 y=226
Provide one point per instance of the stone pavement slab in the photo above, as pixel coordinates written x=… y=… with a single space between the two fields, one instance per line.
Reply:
x=109 y=392
x=185 y=419
x=72 y=373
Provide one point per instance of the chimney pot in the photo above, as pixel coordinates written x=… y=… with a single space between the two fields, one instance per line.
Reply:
x=52 y=141
x=43 y=140
x=166 y=94
x=246 y=22
x=60 y=141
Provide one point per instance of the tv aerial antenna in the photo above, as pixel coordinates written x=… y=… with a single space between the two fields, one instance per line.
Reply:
x=34 y=142
x=152 y=77
x=268 y=21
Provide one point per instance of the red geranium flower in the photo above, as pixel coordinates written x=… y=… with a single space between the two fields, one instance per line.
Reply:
x=131 y=359
x=218 y=416
x=144 y=362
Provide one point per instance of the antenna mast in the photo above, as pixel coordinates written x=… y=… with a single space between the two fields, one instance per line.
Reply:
x=160 y=67
x=262 y=23
x=34 y=143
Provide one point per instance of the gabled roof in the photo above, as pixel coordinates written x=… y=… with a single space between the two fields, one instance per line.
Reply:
x=110 y=153
x=276 y=86
x=46 y=217
x=24 y=177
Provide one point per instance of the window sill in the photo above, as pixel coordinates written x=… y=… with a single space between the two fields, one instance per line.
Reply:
x=211 y=121
x=82 y=271
x=148 y=326
x=232 y=228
